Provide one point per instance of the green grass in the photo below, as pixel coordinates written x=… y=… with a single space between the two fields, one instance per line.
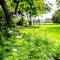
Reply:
x=52 y=31
x=45 y=36
x=40 y=42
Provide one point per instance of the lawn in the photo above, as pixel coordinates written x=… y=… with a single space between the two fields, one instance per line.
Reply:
x=51 y=31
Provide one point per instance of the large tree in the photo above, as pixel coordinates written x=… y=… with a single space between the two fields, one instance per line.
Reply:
x=29 y=7
x=8 y=17
x=33 y=8
x=36 y=8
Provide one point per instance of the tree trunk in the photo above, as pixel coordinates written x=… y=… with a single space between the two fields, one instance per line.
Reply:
x=30 y=22
x=8 y=17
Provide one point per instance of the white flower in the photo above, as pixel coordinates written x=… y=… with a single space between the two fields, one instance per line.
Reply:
x=18 y=36
x=14 y=49
x=10 y=31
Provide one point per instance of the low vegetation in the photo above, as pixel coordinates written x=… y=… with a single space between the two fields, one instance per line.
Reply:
x=34 y=43
x=20 y=39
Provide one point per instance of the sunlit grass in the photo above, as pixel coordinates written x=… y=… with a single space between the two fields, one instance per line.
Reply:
x=52 y=31
x=39 y=42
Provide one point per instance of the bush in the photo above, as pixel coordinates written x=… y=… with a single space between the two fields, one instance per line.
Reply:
x=23 y=22
x=2 y=15
x=2 y=20
x=34 y=48
x=16 y=19
x=7 y=39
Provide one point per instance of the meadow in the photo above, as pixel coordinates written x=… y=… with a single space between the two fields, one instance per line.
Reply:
x=51 y=31
x=38 y=42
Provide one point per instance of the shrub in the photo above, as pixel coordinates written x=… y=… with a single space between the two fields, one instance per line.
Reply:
x=23 y=22
x=7 y=39
x=2 y=15
x=34 y=48
x=2 y=20
x=16 y=19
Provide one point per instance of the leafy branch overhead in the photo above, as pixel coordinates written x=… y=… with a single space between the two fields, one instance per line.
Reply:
x=35 y=7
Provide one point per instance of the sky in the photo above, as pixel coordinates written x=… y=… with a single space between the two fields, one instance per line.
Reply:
x=54 y=8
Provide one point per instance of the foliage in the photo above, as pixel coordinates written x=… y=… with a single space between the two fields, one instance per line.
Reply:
x=2 y=15
x=29 y=7
x=38 y=47
x=32 y=44
x=56 y=17
x=16 y=19
x=11 y=5
x=28 y=43
x=28 y=47
x=33 y=6
x=58 y=1
x=7 y=39
x=2 y=19
x=23 y=22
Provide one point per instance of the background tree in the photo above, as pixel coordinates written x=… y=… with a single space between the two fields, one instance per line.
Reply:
x=56 y=17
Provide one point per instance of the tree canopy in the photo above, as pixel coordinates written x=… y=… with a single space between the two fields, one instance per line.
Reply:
x=35 y=7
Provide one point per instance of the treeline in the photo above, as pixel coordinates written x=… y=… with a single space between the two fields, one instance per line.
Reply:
x=29 y=7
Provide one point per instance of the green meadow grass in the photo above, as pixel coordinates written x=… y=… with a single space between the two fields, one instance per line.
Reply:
x=40 y=42
x=43 y=39
x=52 y=31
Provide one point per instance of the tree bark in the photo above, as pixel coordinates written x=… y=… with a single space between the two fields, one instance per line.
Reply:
x=8 y=17
x=30 y=22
